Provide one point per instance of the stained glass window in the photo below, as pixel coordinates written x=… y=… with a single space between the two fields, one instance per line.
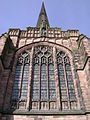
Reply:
x=52 y=83
x=18 y=75
x=43 y=82
x=35 y=85
x=62 y=83
x=21 y=79
x=24 y=87
x=66 y=86
x=69 y=79
x=46 y=89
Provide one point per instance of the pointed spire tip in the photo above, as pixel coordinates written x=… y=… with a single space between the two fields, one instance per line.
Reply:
x=42 y=16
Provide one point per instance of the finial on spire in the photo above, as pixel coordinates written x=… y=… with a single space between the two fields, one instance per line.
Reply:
x=42 y=17
x=42 y=1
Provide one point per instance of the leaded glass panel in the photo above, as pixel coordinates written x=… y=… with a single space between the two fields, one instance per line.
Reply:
x=35 y=82
x=72 y=95
x=62 y=83
x=52 y=83
x=67 y=92
x=18 y=76
x=43 y=82
x=25 y=82
x=46 y=80
x=19 y=94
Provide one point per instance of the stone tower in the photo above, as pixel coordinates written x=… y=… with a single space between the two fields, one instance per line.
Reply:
x=44 y=73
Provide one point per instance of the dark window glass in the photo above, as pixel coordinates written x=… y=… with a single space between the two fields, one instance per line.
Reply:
x=20 y=87
x=66 y=85
x=44 y=85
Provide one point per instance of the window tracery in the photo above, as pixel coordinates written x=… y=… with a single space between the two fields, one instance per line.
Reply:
x=19 y=94
x=66 y=85
x=46 y=81
x=43 y=82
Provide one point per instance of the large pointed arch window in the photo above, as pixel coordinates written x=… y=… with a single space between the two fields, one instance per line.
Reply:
x=19 y=94
x=44 y=81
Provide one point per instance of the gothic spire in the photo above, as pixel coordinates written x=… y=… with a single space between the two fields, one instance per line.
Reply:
x=42 y=17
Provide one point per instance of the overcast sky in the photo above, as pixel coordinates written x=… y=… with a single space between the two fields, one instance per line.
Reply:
x=67 y=14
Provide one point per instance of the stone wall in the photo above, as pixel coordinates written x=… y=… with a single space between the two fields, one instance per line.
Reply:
x=57 y=117
x=69 y=41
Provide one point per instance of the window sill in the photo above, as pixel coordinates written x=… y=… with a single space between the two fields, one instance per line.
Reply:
x=45 y=112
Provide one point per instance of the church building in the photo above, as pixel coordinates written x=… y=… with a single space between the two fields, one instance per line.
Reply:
x=44 y=73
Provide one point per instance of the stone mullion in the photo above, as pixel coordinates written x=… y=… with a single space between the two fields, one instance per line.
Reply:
x=21 y=79
x=47 y=85
x=19 y=94
x=28 y=105
x=56 y=79
x=66 y=83
x=39 y=102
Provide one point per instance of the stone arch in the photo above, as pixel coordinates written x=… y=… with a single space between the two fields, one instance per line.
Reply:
x=28 y=47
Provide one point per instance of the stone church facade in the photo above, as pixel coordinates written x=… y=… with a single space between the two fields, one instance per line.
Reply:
x=44 y=73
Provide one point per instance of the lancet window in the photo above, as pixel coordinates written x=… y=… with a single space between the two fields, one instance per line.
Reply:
x=20 y=87
x=43 y=83
x=66 y=85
